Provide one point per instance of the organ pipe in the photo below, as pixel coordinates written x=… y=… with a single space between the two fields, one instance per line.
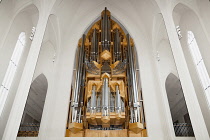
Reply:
x=118 y=101
x=132 y=73
x=79 y=73
x=106 y=33
x=76 y=90
x=93 y=100
x=105 y=98
x=117 y=46
x=94 y=46
x=134 y=90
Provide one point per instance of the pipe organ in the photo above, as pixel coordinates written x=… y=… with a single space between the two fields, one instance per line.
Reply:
x=106 y=99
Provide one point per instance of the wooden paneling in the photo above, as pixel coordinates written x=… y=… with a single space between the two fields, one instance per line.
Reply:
x=106 y=133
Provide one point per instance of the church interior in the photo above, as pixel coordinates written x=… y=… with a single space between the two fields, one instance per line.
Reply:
x=104 y=68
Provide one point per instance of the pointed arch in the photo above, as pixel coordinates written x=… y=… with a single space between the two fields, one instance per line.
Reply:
x=11 y=69
x=189 y=20
x=179 y=112
x=33 y=110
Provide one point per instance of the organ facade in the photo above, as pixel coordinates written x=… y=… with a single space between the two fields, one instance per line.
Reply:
x=106 y=97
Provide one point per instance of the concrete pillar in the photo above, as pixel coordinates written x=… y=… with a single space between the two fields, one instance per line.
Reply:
x=16 y=113
x=195 y=113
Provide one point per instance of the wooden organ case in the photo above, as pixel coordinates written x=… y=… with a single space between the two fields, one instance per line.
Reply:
x=106 y=99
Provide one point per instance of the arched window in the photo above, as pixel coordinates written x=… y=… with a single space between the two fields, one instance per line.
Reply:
x=11 y=70
x=178 y=108
x=200 y=66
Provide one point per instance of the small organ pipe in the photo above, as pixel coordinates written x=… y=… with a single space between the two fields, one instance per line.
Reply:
x=74 y=114
x=112 y=103
x=80 y=115
x=131 y=115
x=122 y=105
x=99 y=103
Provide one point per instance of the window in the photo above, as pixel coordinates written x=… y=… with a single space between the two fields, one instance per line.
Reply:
x=11 y=70
x=200 y=66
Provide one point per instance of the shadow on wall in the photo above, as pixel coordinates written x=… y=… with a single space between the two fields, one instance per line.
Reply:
x=32 y=114
x=179 y=112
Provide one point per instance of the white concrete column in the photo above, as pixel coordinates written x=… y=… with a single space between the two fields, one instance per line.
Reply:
x=16 y=113
x=195 y=113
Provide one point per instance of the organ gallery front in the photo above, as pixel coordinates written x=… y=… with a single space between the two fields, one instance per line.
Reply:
x=106 y=98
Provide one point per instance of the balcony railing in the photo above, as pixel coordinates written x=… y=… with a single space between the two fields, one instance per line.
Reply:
x=183 y=129
x=29 y=130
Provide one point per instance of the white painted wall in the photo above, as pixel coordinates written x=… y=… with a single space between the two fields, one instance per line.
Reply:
x=188 y=21
x=70 y=20
x=22 y=23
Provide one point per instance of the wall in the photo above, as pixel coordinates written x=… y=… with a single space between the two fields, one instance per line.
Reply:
x=74 y=17
x=22 y=23
x=189 y=21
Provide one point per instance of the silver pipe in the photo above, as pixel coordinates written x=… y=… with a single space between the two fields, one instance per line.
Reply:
x=135 y=114
x=117 y=47
x=129 y=85
x=111 y=102
x=131 y=113
x=82 y=87
x=77 y=84
x=74 y=114
x=93 y=100
x=88 y=104
x=132 y=73
x=99 y=103
x=79 y=117
x=105 y=98
x=94 y=46
x=118 y=101
x=122 y=105
x=79 y=73
x=133 y=79
x=138 y=114
x=106 y=34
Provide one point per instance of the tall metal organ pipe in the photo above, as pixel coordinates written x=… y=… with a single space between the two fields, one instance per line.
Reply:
x=106 y=32
x=77 y=84
x=93 y=100
x=81 y=93
x=82 y=86
x=94 y=47
x=129 y=82
x=133 y=81
x=118 y=101
x=132 y=72
x=117 y=46
x=105 y=98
